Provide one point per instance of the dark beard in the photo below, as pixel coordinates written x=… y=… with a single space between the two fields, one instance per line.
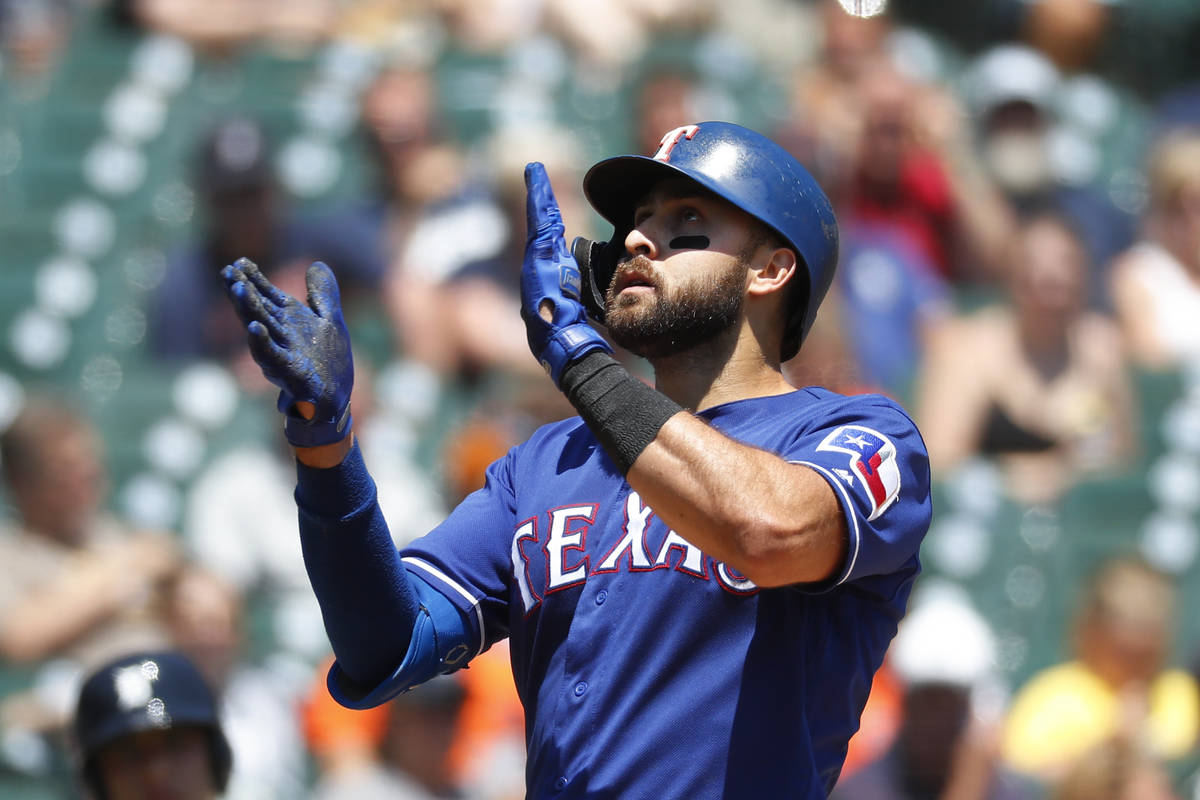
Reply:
x=695 y=315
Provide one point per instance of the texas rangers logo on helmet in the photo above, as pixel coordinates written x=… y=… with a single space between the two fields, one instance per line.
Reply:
x=671 y=138
x=872 y=463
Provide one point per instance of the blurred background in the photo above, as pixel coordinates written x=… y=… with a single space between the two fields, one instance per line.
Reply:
x=1018 y=188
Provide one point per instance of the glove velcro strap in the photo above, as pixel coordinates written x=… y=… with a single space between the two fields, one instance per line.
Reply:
x=301 y=432
x=568 y=344
x=624 y=414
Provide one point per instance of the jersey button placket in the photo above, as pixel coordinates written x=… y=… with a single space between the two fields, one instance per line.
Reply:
x=580 y=688
x=560 y=783
x=601 y=596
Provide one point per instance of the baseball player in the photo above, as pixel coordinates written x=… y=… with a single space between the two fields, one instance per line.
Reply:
x=146 y=725
x=698 y=579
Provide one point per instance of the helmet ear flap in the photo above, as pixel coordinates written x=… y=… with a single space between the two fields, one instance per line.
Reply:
x=597 y=266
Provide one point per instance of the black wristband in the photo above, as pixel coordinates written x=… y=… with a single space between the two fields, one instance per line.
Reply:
x=624 y=414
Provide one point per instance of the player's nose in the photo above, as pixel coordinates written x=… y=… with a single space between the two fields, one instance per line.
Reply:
x=639 y=243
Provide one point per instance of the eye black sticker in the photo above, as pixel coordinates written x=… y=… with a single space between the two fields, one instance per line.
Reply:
x=696 y=242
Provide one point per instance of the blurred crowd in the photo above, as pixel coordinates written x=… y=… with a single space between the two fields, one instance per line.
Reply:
x=1017 y=184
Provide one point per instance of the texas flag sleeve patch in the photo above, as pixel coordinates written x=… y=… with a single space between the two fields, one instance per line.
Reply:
x=871 y=460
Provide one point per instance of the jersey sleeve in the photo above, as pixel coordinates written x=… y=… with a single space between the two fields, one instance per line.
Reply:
x=466 y=557
x=872 y=455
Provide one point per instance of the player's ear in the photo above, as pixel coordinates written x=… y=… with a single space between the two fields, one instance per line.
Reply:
x=772 y=271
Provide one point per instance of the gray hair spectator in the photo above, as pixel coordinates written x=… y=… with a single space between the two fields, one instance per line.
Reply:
x=948 y=742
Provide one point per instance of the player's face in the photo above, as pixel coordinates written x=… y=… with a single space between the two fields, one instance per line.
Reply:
x=684 y=281
x=171 y=764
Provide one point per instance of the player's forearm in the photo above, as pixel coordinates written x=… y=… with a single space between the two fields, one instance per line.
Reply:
x=775 y=522
x=366 y=600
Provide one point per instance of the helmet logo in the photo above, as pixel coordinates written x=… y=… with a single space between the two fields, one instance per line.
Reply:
x=671 y=139
x=134 y=684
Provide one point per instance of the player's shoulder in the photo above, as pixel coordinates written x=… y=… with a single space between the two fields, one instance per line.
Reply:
x=553 y=449
x=831 y=407
x=557 y=430
x=558 y=436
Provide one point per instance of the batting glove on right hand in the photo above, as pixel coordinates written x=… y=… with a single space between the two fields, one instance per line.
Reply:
x=303 y=348
x=550 y=279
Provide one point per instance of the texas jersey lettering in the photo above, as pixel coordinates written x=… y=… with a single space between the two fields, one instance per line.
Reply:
x=625 y=636
x=559 y=558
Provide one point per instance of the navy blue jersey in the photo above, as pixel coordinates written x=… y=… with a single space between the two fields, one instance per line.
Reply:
x=646 y=668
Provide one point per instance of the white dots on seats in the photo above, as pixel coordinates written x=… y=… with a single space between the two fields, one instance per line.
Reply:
x=174 y=204
x=328 y=108
x=1025 y=587
x=151 y=501
x=113 y=168
x=39 y=340
x=65 y=286
x=162 y=62
x=1170 y=541
x=174 y=447
x=959 y=545
x=206 y=394
x=309 y=166
x=85 y=227
x=135 y=113
x=125 y=326
x=1174 y=482
x=101 y=378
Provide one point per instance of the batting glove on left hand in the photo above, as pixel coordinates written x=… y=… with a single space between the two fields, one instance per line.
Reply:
x=303 y=348
x=550 y=280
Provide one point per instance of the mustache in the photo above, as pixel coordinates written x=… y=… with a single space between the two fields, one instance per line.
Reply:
x=640 y=264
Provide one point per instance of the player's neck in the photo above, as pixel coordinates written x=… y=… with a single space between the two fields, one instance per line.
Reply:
x=707 y=376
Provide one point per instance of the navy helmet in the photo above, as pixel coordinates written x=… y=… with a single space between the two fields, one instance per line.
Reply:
x=144 y=692
x=740 y=166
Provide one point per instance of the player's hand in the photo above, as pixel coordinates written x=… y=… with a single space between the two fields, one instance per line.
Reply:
x=303 y=348
x=555 y=321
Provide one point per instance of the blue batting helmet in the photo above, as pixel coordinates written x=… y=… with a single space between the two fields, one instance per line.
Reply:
x=145 y=692
x=744 y=168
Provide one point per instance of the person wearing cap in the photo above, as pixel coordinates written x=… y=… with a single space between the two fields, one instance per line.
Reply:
x=946 y=747
x=241 y=210
x=1013 y=93
x=146 y=727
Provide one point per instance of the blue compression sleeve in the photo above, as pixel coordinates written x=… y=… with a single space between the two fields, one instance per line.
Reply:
x=438 y=644
x=367 y=600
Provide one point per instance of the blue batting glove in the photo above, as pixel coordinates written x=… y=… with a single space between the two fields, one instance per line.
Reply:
x=550 y=280
x=303 y=348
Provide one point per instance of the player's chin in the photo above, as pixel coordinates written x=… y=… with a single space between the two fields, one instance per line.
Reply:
x=634 y=328
x=629 y=310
